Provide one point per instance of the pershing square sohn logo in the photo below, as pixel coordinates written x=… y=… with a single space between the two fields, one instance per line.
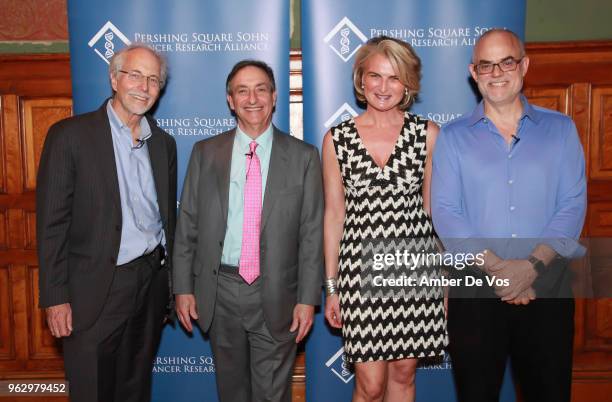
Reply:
x=106 y=40
x=345 y=39
x=339 y=366
x=344 y=113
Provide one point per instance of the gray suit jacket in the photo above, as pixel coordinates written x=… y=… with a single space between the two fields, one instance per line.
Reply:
x=291 y=242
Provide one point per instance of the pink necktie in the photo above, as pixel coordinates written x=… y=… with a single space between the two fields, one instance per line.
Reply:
x=251 y=224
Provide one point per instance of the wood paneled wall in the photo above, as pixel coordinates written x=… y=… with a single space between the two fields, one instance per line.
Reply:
x=34 y=93
x=575 y=78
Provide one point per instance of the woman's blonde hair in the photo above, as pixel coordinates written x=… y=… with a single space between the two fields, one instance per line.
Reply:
x=403 y=59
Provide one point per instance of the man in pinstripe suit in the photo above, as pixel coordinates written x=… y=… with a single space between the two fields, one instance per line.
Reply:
x=105 y=204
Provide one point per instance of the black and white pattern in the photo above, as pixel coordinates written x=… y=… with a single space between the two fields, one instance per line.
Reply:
x=385 y=204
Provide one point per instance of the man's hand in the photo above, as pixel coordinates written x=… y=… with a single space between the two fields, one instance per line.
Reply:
x=186 y=310
x=519 y=273
x=492 y=260
x=524 y=298
x=59 y=320
x=332 y=311
x=302 y=320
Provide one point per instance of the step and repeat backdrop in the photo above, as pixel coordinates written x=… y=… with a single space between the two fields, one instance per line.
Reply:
x=202 y=39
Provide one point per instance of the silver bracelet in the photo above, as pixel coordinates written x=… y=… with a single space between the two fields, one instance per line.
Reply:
x=330 y=286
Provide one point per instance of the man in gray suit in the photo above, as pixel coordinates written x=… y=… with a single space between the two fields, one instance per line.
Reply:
x=248 y=248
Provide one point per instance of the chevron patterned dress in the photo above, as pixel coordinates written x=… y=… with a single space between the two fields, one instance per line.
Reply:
x=385 y=204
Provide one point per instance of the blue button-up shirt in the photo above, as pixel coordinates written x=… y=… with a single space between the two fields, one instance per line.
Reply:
x=232 y=244
x=533 y=188
x=141 y=229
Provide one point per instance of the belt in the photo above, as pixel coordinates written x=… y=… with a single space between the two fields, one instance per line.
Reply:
x=158 y=255
x=228 y=269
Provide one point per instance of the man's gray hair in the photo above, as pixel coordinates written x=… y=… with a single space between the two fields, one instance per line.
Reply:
x=514 y=36
x=116 y=62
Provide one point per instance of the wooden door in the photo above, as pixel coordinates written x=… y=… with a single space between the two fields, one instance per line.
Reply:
x=576 y=79
x=34 y=93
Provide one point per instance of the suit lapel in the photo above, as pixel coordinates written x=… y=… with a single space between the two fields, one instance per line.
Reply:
x=159 y=159
x=276 y=174
x=103 y=146
x=223 y=164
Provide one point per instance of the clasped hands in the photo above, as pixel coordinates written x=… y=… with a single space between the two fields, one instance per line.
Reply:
x=519 y=274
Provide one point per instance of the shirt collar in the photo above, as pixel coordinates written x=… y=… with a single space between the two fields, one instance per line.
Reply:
x=264 y=140
x=528 y=111
x=145 y=128
x=477 y=115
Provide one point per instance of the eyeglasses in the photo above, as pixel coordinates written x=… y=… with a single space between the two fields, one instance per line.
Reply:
x=508 y=64
x=138 y=78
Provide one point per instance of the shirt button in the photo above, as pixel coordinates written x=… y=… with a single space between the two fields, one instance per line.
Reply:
x=513 y=234
x=509 y=156
x=512 y=208
x=510 y=181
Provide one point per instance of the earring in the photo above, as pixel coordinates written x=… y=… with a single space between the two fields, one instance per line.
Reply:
x=406 y=91
x=362 y=86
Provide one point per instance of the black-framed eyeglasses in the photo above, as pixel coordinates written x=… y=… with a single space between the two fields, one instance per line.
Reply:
x=507 y=64
x=138 y=78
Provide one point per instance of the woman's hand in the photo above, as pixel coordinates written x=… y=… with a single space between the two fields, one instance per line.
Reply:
x=332 y=311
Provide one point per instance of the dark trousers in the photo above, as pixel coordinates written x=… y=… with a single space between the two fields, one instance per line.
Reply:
x=112 y=361
x=250 y=364
x=538 y=338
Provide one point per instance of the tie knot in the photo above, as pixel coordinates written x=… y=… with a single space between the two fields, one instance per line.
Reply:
x=252 y=146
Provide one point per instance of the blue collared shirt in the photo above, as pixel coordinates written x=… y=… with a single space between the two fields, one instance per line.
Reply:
x=232 y=245
x=142 y=228
x=533 y=188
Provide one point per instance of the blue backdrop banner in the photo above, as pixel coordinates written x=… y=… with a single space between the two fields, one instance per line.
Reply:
x=201 y=39
x=442 y=32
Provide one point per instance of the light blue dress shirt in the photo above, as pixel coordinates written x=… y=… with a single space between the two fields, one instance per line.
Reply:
x=533 y=189
x=141 y=229
x=232 y=244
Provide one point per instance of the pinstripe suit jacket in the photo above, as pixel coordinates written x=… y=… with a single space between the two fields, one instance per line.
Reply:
x=78 y=210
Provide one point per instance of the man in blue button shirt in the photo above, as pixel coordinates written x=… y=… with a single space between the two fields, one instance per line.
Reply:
x=510 y=179
x=105 y=205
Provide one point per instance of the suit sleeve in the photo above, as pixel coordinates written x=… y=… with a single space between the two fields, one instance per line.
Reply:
x=310 y=261
x=186 y=237
x=172 y=183
x=54 y=197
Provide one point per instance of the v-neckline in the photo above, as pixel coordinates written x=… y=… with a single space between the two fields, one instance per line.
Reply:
x=393 y=150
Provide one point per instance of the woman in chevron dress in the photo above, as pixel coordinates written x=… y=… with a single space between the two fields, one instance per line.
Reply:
x=377 y=175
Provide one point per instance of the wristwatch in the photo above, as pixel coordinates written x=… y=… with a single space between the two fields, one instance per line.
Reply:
x=538 y=265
